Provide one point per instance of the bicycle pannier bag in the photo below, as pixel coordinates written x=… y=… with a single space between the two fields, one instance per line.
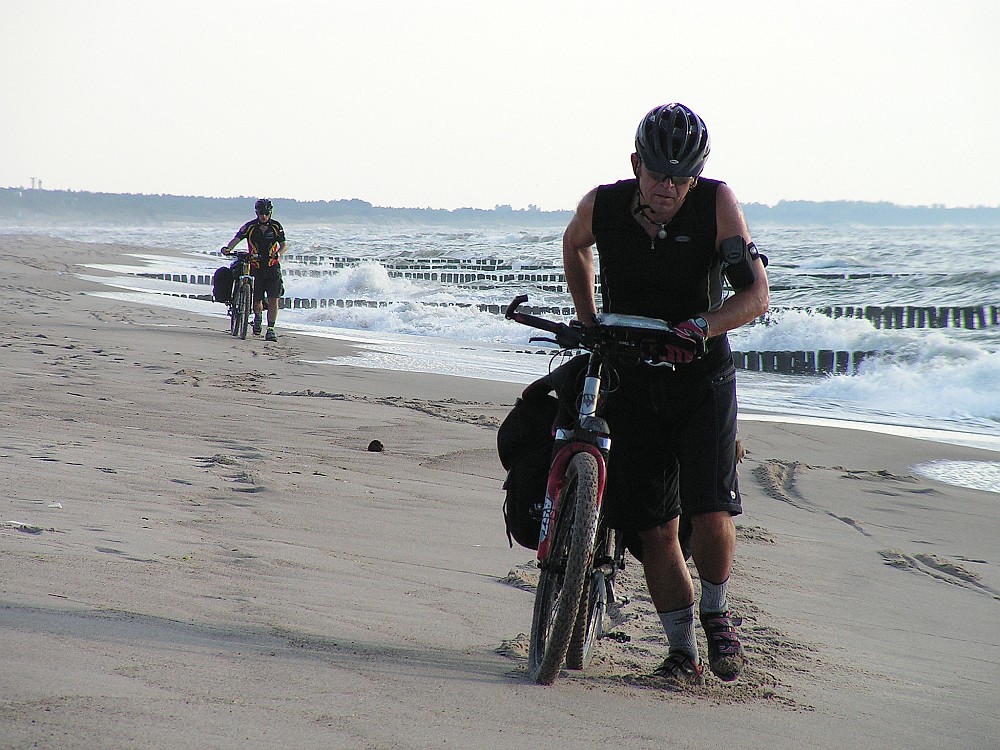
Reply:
x=222 y=284
x=524 y=444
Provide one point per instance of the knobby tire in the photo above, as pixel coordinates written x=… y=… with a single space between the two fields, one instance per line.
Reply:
x=561 y=583
x=589 y=624
x=233 y=325
x=246 y=302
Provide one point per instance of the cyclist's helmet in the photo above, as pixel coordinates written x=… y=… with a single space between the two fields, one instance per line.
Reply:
x=673 y=140
x=263 y=206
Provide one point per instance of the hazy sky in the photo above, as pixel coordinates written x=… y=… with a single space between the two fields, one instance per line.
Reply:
x=482 y=102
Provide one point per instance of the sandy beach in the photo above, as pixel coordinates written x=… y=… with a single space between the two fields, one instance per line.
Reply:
x=198 y=550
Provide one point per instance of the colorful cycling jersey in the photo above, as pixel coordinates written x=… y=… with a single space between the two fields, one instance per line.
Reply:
x=263 y=240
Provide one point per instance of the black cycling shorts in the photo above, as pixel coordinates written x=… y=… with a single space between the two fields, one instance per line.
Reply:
x=673 y=446
x=267 y=282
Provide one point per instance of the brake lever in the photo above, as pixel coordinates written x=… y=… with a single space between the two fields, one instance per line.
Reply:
x=533 y=339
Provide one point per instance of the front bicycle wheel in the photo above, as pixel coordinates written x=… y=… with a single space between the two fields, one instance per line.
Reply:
x=562 y=580
x=246 y=302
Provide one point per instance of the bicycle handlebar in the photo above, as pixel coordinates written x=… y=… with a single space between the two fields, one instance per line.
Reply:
x=572 y=336
x=627 y=337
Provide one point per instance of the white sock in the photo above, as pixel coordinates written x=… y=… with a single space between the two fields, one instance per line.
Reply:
x=713 y=596
x=678 y=624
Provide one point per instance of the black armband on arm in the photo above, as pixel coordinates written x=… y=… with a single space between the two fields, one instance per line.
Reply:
x=755 y=253
x=737 y=261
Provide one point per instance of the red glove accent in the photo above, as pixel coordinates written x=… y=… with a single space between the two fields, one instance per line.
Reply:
x=686 y=343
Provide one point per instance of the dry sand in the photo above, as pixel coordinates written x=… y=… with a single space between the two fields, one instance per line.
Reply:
x=198 y=550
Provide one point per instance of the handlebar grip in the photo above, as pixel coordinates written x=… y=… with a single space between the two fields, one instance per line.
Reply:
x=541 y=323
x=567 y=336
x=514 y=304
x=530 y=320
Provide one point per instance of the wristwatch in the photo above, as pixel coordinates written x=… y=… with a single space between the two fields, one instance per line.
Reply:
x=702 y=324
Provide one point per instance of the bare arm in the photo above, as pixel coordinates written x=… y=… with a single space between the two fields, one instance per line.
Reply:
x=750 y=302
x=237 y=238
x=578 y=259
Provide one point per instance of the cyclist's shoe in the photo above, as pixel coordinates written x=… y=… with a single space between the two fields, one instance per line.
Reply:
x=679 y=667
x=725 y=654
x=270 y=336
x=256 y=328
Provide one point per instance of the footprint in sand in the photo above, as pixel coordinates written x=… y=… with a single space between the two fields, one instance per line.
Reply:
x=185 y=377
x=936 y=567
x=778 y=480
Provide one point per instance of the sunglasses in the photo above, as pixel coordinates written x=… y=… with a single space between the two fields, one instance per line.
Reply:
x=676 y=180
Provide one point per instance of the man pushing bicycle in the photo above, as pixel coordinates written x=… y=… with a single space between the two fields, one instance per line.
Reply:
x=665 y=240
x=266 y=238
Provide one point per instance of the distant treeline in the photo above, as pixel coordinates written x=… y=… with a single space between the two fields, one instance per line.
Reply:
x=21 y=206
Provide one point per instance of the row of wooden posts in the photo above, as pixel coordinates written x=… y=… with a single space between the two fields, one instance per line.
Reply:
x=881 y=316
x=821 y=361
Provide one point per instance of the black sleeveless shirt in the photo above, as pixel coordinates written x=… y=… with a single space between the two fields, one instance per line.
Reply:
x=672 y=279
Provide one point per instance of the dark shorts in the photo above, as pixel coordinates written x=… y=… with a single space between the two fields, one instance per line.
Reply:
x=673 y=447
x=267 y=282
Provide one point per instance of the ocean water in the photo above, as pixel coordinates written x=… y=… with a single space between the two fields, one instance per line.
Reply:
x=416 y=298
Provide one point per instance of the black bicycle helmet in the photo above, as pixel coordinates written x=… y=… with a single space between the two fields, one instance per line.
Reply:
x=263 y=206
x=673 y=141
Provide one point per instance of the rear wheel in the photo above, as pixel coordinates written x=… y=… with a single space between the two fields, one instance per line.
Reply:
x=246 y=302
x=589 y=626
x=562 y=580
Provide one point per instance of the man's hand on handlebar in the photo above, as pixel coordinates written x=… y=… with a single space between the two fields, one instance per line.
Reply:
x=686 y=343
x=225 y=250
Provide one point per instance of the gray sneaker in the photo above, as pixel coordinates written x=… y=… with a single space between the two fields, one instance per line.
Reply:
x=269 y=336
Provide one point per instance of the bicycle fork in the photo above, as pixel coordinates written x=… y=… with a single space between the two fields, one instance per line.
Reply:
x=590 y=434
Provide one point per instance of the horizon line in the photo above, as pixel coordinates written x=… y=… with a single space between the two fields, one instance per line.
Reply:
x=531 y=207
